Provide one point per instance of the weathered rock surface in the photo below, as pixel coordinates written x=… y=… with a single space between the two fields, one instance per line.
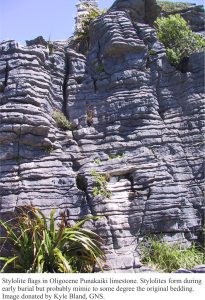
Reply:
x=197 y=269
x=140 y=10
x=139 y=120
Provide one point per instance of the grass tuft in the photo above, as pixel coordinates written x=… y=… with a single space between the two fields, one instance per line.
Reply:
x=169 y=258
x=61 y=121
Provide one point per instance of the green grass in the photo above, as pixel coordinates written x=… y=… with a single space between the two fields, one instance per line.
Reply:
x=61 y=121
x=165 y=257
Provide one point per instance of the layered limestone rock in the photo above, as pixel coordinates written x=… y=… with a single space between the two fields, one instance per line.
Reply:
x=138 y=120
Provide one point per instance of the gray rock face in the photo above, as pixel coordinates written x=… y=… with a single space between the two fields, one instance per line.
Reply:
x=138 y=120
x=38 y=41
x=197 y=269
x=140 y=10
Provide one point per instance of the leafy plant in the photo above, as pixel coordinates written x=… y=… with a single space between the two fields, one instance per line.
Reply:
x=37 y=246
x=97 y=161
x=168 y=258
x=179 y=40
x=61 y=121
x=101 y=185
x=93 y=13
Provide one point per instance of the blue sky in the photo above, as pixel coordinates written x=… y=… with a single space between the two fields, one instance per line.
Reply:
x=27 y=19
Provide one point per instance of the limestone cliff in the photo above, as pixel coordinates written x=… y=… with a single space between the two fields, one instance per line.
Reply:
x=138 y=120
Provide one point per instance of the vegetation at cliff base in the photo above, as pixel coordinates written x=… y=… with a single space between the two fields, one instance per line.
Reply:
x=39 y=245
x=169 y=258
x=178 y=38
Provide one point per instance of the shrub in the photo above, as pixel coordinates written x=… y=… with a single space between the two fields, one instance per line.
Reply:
x=37 y=246
x=169 y=258
x=61 y=121
x=101 y=185
x=81 y=37
x=92 y=14
x=177 y=37
x=172 y=6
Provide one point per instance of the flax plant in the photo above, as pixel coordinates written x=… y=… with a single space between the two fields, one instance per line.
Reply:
x=39 y=245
